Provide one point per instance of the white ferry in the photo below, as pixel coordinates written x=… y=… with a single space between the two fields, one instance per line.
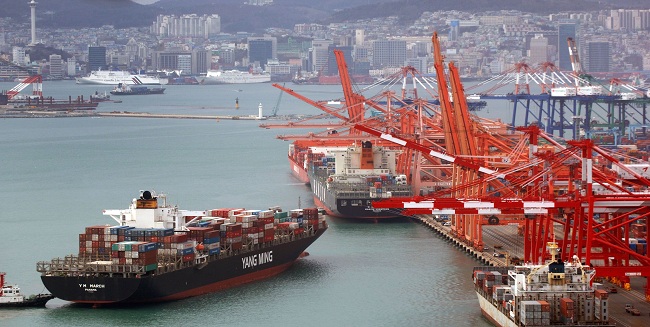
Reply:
x=234 y=77
x=110 y=77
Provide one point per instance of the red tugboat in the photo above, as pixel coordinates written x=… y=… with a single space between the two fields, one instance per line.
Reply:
x=10 y=296
x=160 y=253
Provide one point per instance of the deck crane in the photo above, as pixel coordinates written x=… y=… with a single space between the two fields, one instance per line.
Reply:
x=34 y=79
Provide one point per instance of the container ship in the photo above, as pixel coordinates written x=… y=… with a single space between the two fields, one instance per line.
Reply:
x=109 y=77
x=234 y=77
x=345 y=180
x=158 y=253
x=557 y=293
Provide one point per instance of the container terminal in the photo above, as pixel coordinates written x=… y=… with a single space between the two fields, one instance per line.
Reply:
x=579 y=202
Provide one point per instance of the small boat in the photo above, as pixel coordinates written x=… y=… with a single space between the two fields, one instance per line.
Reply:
x=10 y=296
x=100 y=97
x=124 y=89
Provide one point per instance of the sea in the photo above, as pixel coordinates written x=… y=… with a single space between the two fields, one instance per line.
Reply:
x=58 y=174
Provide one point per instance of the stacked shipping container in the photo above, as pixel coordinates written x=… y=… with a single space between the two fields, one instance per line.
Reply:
x=225 y=229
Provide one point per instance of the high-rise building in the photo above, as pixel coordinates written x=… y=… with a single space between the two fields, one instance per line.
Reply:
x=19 y=57
x=359 y=37
x=96 y=58
x=319 y=54
x=201 y=61
x=565 y=31
x=388 y=53
x=56 y=66
x=72 y=66
x=261 y=49
x=597 y=57
x=189 y=62
x=538 y=52
x=454 y=30
x=332 y=67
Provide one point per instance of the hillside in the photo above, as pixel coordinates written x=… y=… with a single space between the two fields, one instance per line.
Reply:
x=283 y=13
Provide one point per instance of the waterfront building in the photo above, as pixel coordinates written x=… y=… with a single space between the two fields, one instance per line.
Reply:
x=71 y=67
x=56 y=66
x=189 y=62
x=261 y=49
x=96 y=58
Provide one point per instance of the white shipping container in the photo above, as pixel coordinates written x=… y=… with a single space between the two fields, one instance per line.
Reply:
x=563 y=91
x=590 y=90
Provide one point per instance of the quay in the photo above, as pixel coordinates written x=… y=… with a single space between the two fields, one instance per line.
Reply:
x=31 y=113
x=175 y=116
x=508 y=240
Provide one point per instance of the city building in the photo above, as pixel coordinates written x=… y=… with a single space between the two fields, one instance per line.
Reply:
x=261 y=49
x=565 y=31
x=187 y=25
x=538 y=50
x=597 y=57
x=332 y=67
x=388 y=53
x=71 y=67
x=319 y=54
x=56 y=66
x=359 y=37
x=188 y=62
x=96 y=58
x=454 y=27
x=19 y=56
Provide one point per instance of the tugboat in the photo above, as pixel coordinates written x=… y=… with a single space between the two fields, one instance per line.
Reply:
x=10 y=296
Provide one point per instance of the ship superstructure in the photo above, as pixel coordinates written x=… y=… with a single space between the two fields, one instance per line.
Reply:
x=345 y=180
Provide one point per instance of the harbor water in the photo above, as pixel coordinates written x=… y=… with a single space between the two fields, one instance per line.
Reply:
x=57 y=174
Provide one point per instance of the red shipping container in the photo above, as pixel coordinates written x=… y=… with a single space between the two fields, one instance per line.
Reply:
x=566 y=303
x=82 y=237
x=546 y=307
x=298 y=231
x=188 y=257
x=269 y=238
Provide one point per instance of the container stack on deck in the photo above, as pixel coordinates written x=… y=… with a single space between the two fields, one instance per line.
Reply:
x=222 y=230
x=535 y=313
